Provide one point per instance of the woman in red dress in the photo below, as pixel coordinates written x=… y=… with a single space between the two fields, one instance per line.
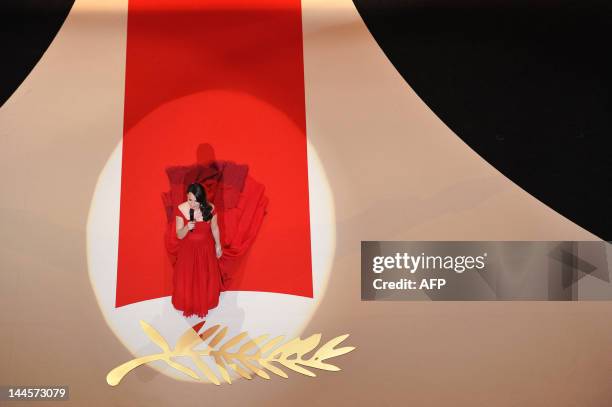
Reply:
x=197 y=279
x=239 y=201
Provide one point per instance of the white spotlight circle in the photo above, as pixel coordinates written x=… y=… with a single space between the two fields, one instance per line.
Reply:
x=254 y=312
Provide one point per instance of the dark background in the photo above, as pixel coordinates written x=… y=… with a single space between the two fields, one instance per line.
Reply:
x=526 y=84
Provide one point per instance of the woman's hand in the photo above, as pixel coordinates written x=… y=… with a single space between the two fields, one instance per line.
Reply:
x=191 y=225
x=218 y=250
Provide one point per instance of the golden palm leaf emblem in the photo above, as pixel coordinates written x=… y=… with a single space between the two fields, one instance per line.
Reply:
x=256 y=356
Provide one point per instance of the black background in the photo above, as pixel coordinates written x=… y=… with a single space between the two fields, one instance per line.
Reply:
x=525 y=84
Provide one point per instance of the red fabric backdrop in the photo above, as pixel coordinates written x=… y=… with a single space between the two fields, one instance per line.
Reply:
x=221 y=81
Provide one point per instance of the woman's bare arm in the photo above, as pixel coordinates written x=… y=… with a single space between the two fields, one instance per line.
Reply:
x=215 y=230
x=181 y=228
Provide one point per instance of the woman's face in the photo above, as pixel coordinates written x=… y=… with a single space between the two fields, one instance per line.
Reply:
x=191 y=200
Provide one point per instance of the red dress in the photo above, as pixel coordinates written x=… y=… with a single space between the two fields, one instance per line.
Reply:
x=197 y=280
x=240 y=202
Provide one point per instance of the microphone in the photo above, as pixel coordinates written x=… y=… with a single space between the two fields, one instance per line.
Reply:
x=191 y=217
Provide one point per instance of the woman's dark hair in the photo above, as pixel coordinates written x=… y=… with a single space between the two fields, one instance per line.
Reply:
x=200 y=195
